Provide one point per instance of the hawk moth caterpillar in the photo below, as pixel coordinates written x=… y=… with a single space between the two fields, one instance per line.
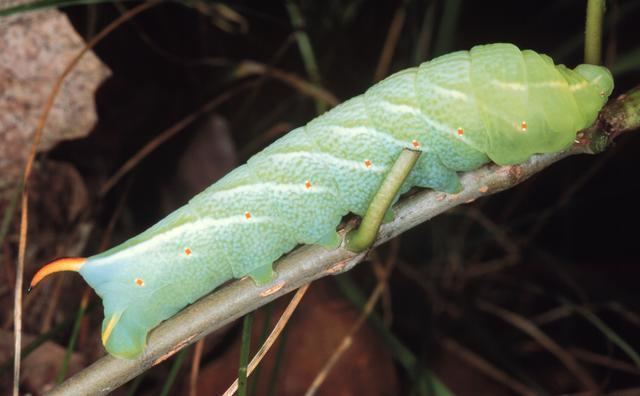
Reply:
x=461 y=110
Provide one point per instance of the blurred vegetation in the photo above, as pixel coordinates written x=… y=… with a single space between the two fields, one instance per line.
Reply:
x=532 y=291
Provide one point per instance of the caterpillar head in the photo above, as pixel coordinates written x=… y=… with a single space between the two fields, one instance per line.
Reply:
x=593 y=91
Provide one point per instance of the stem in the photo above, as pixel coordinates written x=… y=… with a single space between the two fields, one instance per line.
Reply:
x=593 y=32
x=362 y=238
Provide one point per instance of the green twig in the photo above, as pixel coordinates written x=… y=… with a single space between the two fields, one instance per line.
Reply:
x=362 y=238
x=574 y=43
x=593 y=32
x=245 y=348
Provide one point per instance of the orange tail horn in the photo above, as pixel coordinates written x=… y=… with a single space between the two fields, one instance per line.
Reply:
x=63 y=264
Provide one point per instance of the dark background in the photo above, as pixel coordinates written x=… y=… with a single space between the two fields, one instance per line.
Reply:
x=556 y=251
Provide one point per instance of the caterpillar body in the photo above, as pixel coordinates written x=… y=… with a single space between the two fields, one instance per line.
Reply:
x=462 y=110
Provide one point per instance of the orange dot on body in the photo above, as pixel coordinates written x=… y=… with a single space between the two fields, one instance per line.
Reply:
x=523 y=126
x=368 y=164
x=415 y=143
x=247 y=215
x=187 y=251
x=307 y=184
x=139 y=282
x=460 y=131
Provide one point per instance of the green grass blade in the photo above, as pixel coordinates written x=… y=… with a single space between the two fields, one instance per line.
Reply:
x=448 y=27
x=245 y=349
x=607 y=331
x=306 y=50
x=175 y=368
x=268 y=313
x=135 y=384
x=74 y=337
x=627 y=62
x=273 y=381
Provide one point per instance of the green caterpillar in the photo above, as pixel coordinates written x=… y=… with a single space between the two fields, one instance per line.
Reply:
x=462 y=110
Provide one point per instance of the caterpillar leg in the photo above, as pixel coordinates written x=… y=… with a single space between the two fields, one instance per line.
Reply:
x=122 y=336
x=262 y=275
x=362 y=238
x=330 y=241
x=430 y=173
x=389 y=215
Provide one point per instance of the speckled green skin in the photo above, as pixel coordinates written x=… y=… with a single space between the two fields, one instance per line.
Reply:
x=463 y=110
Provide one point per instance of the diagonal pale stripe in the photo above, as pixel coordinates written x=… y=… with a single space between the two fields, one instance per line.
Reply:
x=344 y=131
x=109 y=327
x=269 y=187
x=453 y=93
x=170 y=235
x=342 y=162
